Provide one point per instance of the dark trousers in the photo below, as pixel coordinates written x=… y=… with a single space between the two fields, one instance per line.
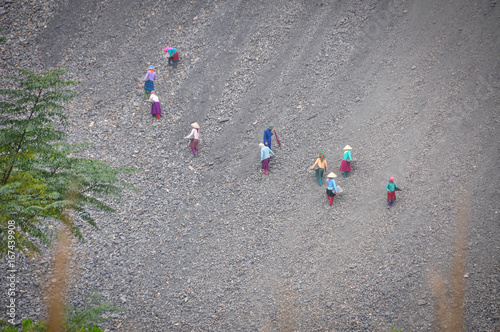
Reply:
x=171 y=61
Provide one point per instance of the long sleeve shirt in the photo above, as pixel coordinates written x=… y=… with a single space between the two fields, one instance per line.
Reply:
x=150 y=76
x=347 y=155
x=391 y=186
x=154 y=98
x=171 y=51
x=194 y=133
x=267 y=137
x=265 y=153
x=319 y=163
x=331 y=185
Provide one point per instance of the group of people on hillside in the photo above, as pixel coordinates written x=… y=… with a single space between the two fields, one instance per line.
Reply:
x=149 y=92
x=321 y=166
x=265 y=147
x=152 y=97
x=149 y=82
x=345 y=167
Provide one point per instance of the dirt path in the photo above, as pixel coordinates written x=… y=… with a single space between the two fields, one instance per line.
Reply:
x=412 y=86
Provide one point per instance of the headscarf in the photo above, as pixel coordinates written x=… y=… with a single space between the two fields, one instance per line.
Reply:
x=151 y=68
x=271 y=126
x=391 y=179
x=166 y=49
x=321 y=156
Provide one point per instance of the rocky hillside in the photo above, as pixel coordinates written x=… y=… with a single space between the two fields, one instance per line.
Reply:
x=208 y=243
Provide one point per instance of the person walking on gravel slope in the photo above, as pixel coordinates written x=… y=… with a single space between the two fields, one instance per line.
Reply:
x=345 y=166
x=155 y=108
x=321 y=163
x=391 y=192
x=195 y=135
x=268 y=134
x=265 y=156
x=149 y=84
x=332 y=187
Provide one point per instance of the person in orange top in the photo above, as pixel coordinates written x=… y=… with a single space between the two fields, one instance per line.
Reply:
x=321 y=163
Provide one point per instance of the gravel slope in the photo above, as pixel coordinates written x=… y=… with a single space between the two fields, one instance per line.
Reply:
x=210 y=243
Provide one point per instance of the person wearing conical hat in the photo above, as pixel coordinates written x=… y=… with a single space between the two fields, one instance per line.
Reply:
x=391 y=192
x=321 y=163
x=345 y=166
x=194 y=136
x=149 y=84
x=268 y=134
x=332 y=187
x=155 y=108
x=265 y=156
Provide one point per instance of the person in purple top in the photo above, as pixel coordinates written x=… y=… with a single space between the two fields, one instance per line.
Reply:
x=149 y=84
x=268 y=134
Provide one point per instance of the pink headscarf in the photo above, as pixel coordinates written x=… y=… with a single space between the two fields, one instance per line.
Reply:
x=167 y=48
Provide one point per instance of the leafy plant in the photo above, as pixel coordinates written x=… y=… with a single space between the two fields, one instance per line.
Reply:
x=87 y=318
x=77 y=319
x=40 y=175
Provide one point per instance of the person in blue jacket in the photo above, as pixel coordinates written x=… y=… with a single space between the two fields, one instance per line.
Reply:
x=268 y=134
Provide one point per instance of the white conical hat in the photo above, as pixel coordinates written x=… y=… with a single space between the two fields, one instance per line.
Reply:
x=347 y=147
x=195 y=125
x=331 y=175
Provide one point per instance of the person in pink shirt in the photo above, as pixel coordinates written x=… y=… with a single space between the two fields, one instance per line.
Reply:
x=194 y=135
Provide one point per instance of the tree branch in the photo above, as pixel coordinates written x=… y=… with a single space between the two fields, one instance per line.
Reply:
x=6 y=174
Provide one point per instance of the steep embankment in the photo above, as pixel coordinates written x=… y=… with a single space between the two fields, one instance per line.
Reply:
x=209 y=243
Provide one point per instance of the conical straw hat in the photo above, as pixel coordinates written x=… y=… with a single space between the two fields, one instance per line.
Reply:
x=331 y=175
x=347 y=147
x=195 y=125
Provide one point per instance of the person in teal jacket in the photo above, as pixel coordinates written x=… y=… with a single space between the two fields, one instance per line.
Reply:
x=173 y=56
x=391 y=192
x=345 y=166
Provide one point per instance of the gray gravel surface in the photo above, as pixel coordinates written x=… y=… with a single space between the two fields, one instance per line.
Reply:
x=211 y=244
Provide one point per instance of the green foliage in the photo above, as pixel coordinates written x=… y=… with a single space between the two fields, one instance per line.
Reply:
x=77 y=319
x=40 y=176
x=2 y=39
x=28 y=326
x=87 y=318
x=395 y=329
